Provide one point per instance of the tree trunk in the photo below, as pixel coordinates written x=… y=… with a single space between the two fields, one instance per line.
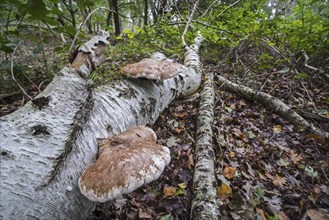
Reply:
x=116 y=17
x=145 y=12
x=109 y=15
x=47 y=144
x=204 y=203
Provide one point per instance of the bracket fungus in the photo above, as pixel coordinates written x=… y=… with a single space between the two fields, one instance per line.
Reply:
x=126 y=162
x=158 y=67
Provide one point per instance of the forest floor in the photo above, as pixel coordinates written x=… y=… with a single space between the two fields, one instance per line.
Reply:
x=265 y=169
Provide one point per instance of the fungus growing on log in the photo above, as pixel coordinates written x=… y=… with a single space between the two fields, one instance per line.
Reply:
x=126 y=162
x=153 y=69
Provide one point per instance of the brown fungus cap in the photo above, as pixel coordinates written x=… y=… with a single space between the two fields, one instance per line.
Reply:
x=121 y=169
x=153 y=69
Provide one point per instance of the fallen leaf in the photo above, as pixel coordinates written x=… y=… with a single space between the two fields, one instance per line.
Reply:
x=251 y=134
x=231 y=154
x=180 y=114
x=167 y=217
x=295 y=157
x=261 y=213
x=182 y=186
x=242 y=103
x=277 y=129
x=169 y=191
x=229 y=172
x=317 y=214
x=172 y=141
x=283 y=163
x=224 y=191
x=179 y=192
x=279 y=180
x=311 y=172
x=144 y=213
x=283 y=216
x=313 y=136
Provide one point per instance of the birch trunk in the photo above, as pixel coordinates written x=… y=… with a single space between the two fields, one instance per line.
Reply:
x=204 y=202
x=47 y=144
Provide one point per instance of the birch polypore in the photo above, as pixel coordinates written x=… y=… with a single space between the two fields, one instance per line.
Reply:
x=153 y=69
x=126 y=162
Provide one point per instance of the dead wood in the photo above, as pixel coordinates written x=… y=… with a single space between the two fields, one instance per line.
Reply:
x=277 y=106
x=204 y=202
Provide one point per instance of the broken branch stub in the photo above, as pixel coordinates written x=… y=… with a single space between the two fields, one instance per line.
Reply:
x=124 y=167
x=153 y=69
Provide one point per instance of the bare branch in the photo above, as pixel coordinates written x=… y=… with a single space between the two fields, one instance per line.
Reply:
x=84 y=23
x=189 y=23
x=13 y=75
x=225 y=11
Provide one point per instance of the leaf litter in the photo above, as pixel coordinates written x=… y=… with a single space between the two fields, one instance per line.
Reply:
x=265 y=169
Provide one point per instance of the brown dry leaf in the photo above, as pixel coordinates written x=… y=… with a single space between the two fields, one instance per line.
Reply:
x=295 y=157
x=169 y=191
x=190 y=161
x=313 y=136
x=279 y=180
x=231 y=154
x=180 y=129
x=229 y=172
x=283 y=216
x=242 y=103
x=180 y=114
x=317 y=214
x=261 y=213
x=224 y=191
x=233 y=106
x=277 y=128
x=144 y=213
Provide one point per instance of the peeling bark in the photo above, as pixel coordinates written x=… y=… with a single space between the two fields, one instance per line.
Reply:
x=277 y=106
x=204 y=202
x=45 y=147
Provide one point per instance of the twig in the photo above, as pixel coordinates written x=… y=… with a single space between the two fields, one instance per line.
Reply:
x=32 y=82
x=210 y=6
x=308 y=94
x=188 y=23
x=225 y=11
x=84 y=23
x=12 y=73
x=306 y=62
x=42 y=49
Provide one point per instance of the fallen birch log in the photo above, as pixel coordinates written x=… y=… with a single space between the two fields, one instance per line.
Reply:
x=204 y=200
x=47 y=143
x=276 y=105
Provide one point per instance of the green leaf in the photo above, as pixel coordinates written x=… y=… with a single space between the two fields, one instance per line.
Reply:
x=311 y=172
x=180 y=192
x=37 y=9
x=167 y=217
x=251 y=135
x=302 y=76
x=182 y=186
x=259 y=192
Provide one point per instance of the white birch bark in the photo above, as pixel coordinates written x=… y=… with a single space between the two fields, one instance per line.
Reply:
x=204 y=201
x=45 y=146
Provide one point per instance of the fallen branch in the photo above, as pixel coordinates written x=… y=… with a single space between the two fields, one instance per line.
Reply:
x=204 y=202
x=306 y=62
x=276 y=105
